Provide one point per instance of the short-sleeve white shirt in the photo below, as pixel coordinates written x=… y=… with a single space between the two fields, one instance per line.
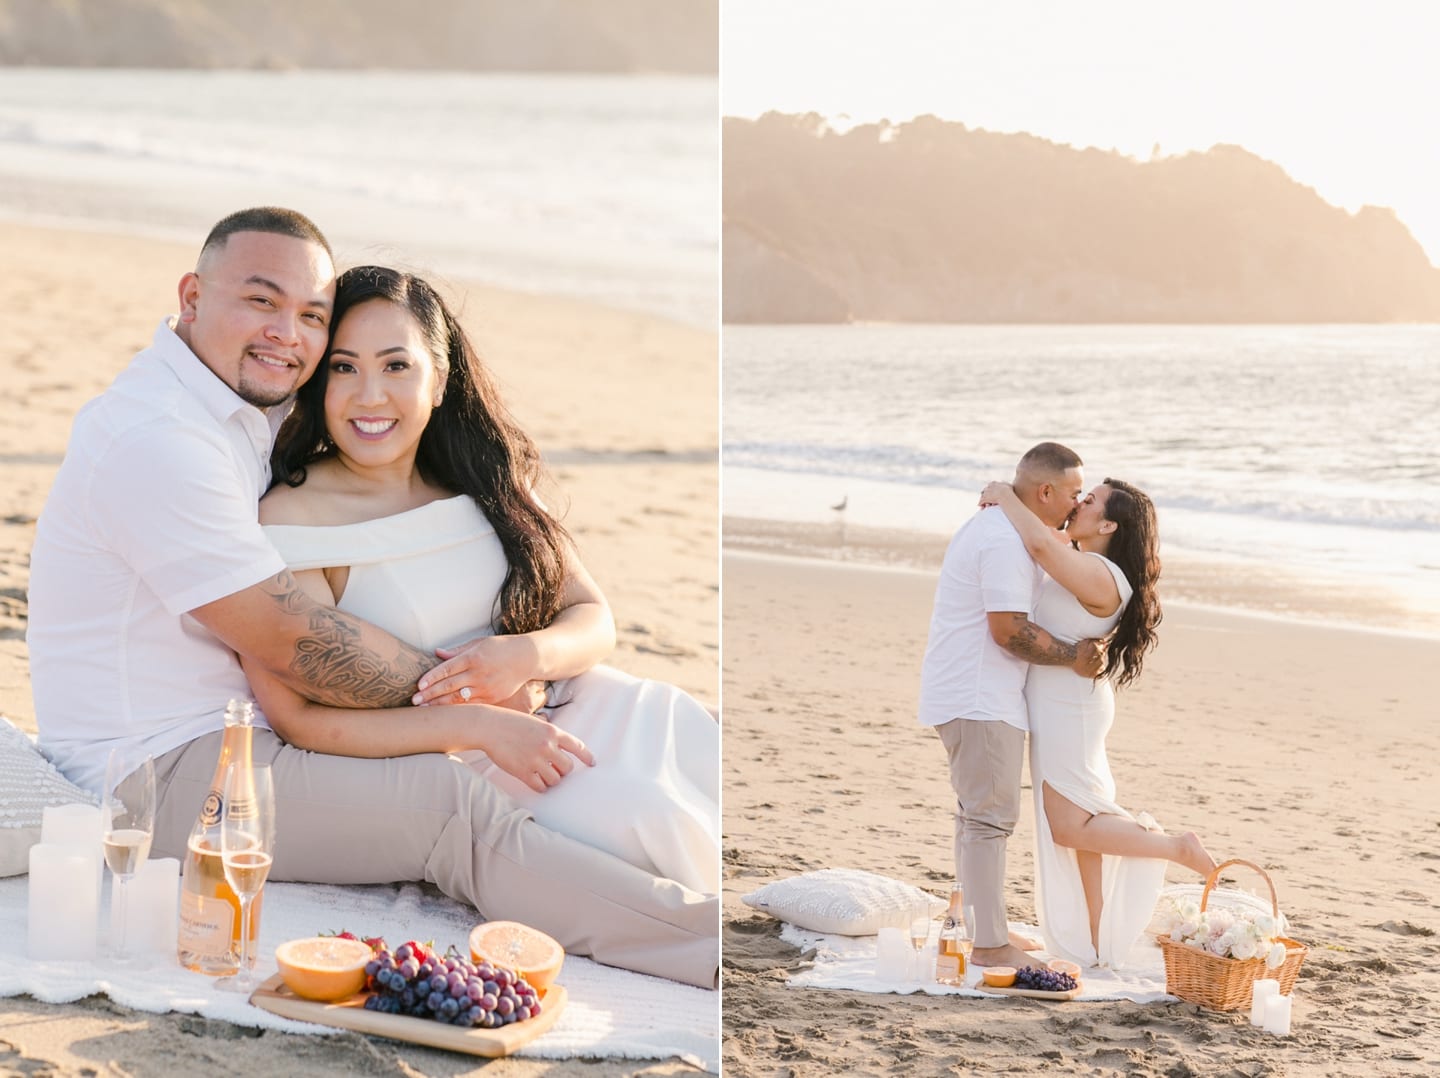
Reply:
x=966 y=675
x=153 y=513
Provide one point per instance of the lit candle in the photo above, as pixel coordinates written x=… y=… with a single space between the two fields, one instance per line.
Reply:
x=62 y=906
x=1277 y=1016
x=1262 y=993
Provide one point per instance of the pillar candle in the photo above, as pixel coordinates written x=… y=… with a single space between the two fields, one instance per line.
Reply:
x=63 y=910
x=893 y=956
x=1263 y=991
x=78 y=826
x=151 y=909
x=1277 y=1016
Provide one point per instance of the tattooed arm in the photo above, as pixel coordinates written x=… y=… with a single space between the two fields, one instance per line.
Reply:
x=324 y=654
x=1020 y=636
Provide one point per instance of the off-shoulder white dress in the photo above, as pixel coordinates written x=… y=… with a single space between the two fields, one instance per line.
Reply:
x=1070 y=717
x=431 y=577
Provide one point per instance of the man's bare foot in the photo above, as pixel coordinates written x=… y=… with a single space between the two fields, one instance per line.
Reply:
x=1009 y=955
x=1024 y=942
x=1194 y=855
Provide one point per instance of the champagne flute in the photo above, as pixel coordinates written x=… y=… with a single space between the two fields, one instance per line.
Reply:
x=127 y=827
x=965 y=931
x=919 y=927
x=247 y=848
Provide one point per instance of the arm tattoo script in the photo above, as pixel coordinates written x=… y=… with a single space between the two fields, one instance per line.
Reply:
x=336 y=665
x=1025 y=643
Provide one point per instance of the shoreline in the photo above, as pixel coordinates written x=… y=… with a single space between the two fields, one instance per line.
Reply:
x=1253 y=588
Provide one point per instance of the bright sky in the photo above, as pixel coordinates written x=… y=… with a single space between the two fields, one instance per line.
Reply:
x=1342 y=94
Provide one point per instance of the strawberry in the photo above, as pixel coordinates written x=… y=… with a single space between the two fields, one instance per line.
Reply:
x=377 y=943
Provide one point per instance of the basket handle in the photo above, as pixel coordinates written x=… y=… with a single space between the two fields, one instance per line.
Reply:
x=1214 y=878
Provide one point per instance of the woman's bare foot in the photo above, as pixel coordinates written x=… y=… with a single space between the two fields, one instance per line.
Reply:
x=1008 y=955
x=1024 y=942
x=1193 y=854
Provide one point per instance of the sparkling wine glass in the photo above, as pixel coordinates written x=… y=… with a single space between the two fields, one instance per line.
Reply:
x=127 y=827
x=919 y=927
x=247 y=847
x=965 y=931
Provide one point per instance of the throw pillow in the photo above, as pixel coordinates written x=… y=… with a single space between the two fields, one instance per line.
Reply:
x=842 y=901
x=28 y=783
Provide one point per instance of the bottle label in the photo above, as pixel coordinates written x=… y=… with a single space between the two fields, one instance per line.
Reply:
x=950 y=968
x=207 y=924
x=210 y=810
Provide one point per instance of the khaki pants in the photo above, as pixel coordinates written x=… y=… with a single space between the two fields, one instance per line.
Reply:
x=342 y=819
x=985 y=758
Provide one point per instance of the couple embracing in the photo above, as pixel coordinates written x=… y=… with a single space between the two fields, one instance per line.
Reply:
x=1031 y=627
x=383 y=577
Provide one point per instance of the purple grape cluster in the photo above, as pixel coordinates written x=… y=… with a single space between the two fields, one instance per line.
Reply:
x=1040 y=979
x=452 y=989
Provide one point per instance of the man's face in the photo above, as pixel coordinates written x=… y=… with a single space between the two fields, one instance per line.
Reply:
x=1065 y=495
x=257 y=313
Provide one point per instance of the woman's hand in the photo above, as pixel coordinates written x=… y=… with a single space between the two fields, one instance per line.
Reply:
x=489 y=670
x=536 y=752
x=993 y=492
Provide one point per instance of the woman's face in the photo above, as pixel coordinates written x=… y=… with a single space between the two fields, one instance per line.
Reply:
x=1089 y=515
x=382 y=385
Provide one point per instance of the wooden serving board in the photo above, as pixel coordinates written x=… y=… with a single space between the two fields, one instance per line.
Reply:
x=351 y=1014
x=1028 y=993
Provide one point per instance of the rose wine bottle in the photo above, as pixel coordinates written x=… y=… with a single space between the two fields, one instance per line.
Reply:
x=209 y=908
x=950 y=960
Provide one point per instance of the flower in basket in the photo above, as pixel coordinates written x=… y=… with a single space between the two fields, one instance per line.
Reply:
x=1230 y=933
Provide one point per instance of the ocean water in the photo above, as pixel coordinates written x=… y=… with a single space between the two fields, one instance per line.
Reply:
x=602 y=187
x=1313 y=449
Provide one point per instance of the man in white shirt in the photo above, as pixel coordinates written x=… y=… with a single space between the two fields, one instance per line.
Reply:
x=150 y=572
x=972 y=683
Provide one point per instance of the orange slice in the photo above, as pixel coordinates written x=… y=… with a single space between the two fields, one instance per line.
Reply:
x=323 y=968
x=518 y=947
x=998 y=976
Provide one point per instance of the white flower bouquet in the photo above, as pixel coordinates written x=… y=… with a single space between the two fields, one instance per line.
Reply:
x=1230 y=933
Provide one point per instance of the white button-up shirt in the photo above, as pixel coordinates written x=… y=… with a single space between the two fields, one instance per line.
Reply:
x=966 y=675
x=153 y=513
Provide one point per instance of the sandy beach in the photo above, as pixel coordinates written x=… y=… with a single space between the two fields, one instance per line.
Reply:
x=1304 y=748
x=622 y=405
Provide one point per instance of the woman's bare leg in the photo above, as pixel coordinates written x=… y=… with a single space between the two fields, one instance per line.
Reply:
x=1072 y=826
x=1094 y=896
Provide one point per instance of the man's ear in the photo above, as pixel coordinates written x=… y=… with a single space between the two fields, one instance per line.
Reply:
x=189 y=295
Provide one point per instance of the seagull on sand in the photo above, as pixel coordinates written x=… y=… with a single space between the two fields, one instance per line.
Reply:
x=841 y=507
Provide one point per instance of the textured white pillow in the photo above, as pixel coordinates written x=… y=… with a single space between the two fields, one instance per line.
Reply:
x=28 y=783
x=843 y=901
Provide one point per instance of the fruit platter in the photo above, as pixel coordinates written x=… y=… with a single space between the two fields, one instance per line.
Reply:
x=500 y=996
x=1058 y=981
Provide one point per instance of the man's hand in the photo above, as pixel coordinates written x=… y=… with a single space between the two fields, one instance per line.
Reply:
x=534 y=751
x=1089 y=657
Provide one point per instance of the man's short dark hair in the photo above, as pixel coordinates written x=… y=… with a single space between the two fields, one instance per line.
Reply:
x=273 y=219
x=1050 y=457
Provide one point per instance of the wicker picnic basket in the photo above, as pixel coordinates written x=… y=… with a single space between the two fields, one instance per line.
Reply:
x=1225 y=984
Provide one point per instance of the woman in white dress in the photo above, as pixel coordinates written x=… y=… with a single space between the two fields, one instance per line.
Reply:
x=404 y=493
x=1098 y=869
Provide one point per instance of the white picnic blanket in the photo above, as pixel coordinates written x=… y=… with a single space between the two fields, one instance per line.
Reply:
x=611 y=1012
x=849 y=962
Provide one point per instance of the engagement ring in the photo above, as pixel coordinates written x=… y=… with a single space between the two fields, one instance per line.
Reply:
x=465 y=693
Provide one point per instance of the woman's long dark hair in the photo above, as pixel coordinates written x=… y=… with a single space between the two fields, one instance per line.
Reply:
x=471 y=446
x=1135 y=548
